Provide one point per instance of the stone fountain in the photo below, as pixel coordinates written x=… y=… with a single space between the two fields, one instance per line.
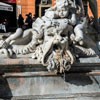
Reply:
x=58 y=39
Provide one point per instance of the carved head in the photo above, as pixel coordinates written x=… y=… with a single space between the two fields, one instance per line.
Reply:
x=62 y=8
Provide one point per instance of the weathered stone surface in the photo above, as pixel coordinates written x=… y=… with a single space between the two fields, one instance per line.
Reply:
x=57 y=39
x=56 y=87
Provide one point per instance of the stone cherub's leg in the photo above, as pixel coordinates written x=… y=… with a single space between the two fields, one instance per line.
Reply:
x=24 y=39
x=14 y=36
x=17 y=38
x=6 y=42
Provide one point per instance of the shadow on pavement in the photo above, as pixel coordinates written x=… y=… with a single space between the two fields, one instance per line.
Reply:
x=5 y=92
x=79 y=80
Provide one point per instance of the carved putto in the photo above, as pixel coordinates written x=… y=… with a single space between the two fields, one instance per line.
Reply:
x=56 y=39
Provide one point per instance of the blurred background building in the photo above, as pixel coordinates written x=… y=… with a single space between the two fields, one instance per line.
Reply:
x=36 y=7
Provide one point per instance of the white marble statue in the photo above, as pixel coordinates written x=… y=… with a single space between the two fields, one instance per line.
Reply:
x=53 y=39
